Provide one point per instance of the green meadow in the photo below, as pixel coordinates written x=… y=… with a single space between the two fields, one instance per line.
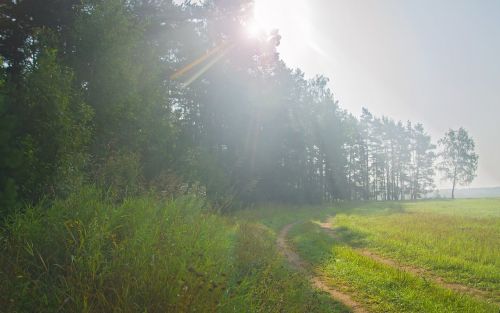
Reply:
x=444 y=255
x=457 y=240
x=158 y=255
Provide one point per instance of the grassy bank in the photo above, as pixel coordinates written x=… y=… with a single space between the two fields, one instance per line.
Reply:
x=88 y=254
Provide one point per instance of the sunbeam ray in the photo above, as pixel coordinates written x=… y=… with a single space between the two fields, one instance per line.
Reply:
x=216 y=53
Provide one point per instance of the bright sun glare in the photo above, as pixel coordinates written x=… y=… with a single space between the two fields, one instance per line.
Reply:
x=293 y=20
x=264 y=19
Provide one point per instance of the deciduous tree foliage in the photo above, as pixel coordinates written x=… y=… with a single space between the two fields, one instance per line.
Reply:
x=135 y=94
x=458 y=158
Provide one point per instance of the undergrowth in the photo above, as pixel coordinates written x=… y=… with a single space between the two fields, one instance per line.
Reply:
x=89 y=254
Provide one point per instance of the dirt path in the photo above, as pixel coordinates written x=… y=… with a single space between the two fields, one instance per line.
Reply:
x=297 y=263
x=417 y=271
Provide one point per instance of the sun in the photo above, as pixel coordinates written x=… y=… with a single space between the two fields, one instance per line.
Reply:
x=253 y=28
x=264 y=18
x=291 y=18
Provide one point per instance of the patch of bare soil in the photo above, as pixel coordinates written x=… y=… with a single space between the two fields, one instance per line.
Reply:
x=316 y=281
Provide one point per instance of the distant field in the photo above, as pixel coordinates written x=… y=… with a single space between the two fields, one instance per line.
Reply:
x=491 y=192
x=429 y=256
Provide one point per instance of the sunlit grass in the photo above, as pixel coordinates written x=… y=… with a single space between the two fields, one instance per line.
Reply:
x=277 y=216
x=380 y=287
x=458 y=240
x=474 y=208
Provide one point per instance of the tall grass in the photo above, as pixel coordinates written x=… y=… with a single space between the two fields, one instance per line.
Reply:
x=88 y=254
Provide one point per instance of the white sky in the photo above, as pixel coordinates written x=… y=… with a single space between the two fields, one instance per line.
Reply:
x=434 y=62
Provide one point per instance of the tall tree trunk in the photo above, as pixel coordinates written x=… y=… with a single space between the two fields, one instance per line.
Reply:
x=454 y=183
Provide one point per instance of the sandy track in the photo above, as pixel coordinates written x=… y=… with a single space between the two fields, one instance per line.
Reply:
x=316 y=281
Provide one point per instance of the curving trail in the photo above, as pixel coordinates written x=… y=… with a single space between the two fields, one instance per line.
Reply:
x=317 y=281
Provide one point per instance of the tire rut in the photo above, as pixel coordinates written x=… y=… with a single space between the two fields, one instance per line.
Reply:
x=317 y=281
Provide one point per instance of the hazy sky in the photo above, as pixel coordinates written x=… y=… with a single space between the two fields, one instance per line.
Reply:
x=428 y=61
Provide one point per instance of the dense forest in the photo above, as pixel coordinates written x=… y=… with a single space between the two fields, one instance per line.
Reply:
x=137 y=95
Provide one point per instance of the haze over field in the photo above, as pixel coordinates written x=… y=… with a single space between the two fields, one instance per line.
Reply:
x=467 y=193
x=195 y=156
x=431 y=61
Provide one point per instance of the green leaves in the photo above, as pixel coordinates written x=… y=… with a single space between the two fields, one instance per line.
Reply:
x=459 y=160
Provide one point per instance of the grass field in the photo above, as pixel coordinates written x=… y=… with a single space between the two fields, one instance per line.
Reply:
x=89 y=254
x=459 y=242
x=455 y=241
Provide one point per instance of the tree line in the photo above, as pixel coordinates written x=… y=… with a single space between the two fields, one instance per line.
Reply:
x=138 y=95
